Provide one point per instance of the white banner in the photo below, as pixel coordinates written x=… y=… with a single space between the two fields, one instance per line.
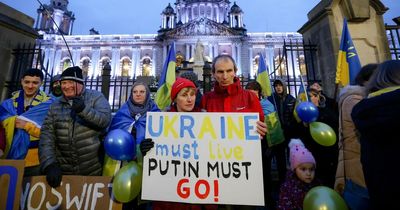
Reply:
x=204 y=157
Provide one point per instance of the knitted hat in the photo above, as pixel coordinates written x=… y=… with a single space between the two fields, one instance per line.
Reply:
x=299 y=154
x=178 y=85
x=72 y=73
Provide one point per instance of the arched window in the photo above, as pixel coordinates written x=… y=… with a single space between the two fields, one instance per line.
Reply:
x=126 y=65
x=65 y=63
x=85 y=65
x=103 y=61
x=146 y=66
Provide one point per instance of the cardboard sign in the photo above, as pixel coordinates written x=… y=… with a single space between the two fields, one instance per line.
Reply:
x=11 y=174
x=75 y=192
x=203 y=158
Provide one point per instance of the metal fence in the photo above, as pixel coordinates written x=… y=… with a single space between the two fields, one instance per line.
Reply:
x=393 y=35
x=295 y=60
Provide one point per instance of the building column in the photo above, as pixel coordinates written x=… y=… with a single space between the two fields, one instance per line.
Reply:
x=57 y=61
x=234 y=56
x=210 y=51
x=154 y=62
x=216 y=50
x=115 y=62
x=239 y=58
x=251 y=72
x=50 y=60
x=135 y=69
x=187 y=53
x=76 y=55
x=95 y=63
x=269 y=56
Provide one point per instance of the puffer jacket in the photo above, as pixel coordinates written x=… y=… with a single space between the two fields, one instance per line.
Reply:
x=232 y=98
x=72 y=140
x=349 y=143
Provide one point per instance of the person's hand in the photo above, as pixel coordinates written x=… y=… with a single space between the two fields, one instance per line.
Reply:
x=78 y=104
x=53 y=175
x=262 y=128
x=20 y=123
x=146 y=145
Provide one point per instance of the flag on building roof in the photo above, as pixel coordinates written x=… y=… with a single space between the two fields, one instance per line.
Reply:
x=263 y=77
x=348 y=64
x=163 y=95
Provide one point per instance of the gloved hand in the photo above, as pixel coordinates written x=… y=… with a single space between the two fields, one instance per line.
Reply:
x=146 y=145
x=78 y=104
x=53 y=175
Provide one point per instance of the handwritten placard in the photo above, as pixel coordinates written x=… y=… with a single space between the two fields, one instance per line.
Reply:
x=203 y=158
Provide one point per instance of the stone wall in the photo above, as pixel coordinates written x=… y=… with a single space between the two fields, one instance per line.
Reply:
x=15 y=30
x=366 y=26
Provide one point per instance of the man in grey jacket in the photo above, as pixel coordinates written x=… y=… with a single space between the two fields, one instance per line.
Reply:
x=69 y=140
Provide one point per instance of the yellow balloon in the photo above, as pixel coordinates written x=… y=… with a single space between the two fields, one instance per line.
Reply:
x=322 y=133
x=127 y=182
x=323 y=198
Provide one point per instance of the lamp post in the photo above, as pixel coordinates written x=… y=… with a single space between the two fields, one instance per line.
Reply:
x=206 y=77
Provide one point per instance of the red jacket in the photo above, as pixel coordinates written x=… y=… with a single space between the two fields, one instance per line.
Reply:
x=231 y=98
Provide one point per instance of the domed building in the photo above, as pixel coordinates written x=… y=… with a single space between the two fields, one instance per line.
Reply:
x=200 y=29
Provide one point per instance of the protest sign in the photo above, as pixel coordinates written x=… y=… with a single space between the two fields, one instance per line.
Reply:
x=11 y=174
x=75 y=192
x=203 y=158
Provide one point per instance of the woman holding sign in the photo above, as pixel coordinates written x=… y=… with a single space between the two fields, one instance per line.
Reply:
x=183 y=97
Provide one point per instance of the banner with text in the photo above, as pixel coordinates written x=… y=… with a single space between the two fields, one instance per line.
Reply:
x=203 y=158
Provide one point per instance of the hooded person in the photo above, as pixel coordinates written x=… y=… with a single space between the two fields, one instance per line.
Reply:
x=55 y=86
x=70 y=135
x=284 y=105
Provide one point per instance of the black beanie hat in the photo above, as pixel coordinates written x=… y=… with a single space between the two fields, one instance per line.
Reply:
x=72 y=73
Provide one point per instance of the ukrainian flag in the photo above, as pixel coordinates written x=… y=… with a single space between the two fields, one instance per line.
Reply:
x=163 y=95
x=263 y=77
x=348 y=64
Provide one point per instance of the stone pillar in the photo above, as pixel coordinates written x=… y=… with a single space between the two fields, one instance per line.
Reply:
x=57 y=61
x=115 y=62
x=154 y=60
x=251 y=72
x=95 y=62
x=366 y=26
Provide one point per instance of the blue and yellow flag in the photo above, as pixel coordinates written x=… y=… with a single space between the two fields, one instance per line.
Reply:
x=348 y=64
x=163 y=95
x=263 y=77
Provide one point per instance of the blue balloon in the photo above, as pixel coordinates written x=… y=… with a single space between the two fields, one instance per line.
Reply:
x=307 y=112
x=119 y=145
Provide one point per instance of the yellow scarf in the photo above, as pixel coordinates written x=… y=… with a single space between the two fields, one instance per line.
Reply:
x=382 y=91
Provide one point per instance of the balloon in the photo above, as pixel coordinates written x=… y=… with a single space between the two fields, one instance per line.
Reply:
x=119 y=145
x=127 y=182
x=322 y=133
x=323 y=198
x=307 y=111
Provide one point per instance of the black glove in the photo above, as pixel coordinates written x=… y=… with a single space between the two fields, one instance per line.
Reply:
x=78 y=104
x=53 y=175
x=146 y=145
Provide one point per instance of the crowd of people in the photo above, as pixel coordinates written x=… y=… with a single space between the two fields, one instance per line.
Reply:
x=65 y=128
